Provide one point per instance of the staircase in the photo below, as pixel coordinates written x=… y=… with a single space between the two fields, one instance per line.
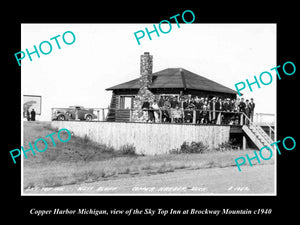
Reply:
x=259 y=137
x=111 y=115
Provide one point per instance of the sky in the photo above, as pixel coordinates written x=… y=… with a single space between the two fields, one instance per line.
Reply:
x=104 y=55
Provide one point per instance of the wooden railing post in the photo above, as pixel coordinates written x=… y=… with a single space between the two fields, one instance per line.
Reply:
x=241 y=119
x=103 y=115
x=160 y=116
x=98 y=115
x=194 y=116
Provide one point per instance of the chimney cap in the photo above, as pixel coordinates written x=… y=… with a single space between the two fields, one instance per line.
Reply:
x=146 y=53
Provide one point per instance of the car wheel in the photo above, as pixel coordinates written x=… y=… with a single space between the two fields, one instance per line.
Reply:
x=88 y=118
x=61 y=117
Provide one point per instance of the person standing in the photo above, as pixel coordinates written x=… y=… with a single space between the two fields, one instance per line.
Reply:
x=198 y=107
x=251 y=106
x=161 y=101
x=237 y=105
x=212 y=108
x=32 y=113
x=145 y=108
x=247 y=111
x=242 y=108
x=219 y=107
x=226 y=108
x=156 y=111
x=205 y=113
x=174 y=102
x=166 y=111
x=28 y=115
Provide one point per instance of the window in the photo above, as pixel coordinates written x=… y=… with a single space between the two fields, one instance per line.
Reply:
x=126 y=102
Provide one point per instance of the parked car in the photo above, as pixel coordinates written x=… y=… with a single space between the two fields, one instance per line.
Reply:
x=73 y=113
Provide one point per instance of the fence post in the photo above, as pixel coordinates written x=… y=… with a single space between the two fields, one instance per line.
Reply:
x=244 y=142
x=130 y=115
x=103 y=116
x=194 y=116
x=160 y=116
x=241 y=120
x=98 y=115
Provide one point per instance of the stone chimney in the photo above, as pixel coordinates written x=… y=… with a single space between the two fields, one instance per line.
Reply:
x=146 y=69
x=146 y=74
x=138 y=115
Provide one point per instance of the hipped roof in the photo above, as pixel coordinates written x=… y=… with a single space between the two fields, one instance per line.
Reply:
x=177 y=78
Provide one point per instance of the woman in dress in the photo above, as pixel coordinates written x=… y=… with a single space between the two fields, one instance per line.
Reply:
x=156 y=111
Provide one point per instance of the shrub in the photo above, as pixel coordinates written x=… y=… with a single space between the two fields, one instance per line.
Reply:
x=128 y=149
x=227 y=146
x=193 y=147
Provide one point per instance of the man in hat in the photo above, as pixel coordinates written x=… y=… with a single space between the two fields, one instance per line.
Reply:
x=247 y=111
x=251 y=108
x=174 y=102
x=242 y=107
x=212 y=108
x=198 y=107
x=161 y=101
x=32 y=113
x=226 y=108
x=219 y=107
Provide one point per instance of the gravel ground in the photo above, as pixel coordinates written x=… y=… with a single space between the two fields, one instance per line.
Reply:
x=258 y=180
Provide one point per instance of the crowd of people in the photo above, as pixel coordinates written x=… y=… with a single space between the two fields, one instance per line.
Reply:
x=200 y=110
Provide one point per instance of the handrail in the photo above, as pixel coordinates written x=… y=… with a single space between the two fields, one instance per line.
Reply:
x=258 y=128
x=161 y=109
x=241 y=114
x=169 y=110
x=183 y=116
x=266 y=123
x=270 y=127
x=265 y=114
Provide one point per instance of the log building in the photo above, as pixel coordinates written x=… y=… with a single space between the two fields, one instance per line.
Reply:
x=168 y=82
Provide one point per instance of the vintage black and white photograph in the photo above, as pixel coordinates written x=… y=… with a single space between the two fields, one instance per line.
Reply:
x=31 y=106
x=130 y=109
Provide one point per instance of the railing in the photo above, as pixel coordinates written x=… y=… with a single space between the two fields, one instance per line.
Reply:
x=191 y=116
x=162 y=115
x=258 y=128
x=264 y=118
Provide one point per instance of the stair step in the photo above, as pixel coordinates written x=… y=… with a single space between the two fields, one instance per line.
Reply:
x=257 y=135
